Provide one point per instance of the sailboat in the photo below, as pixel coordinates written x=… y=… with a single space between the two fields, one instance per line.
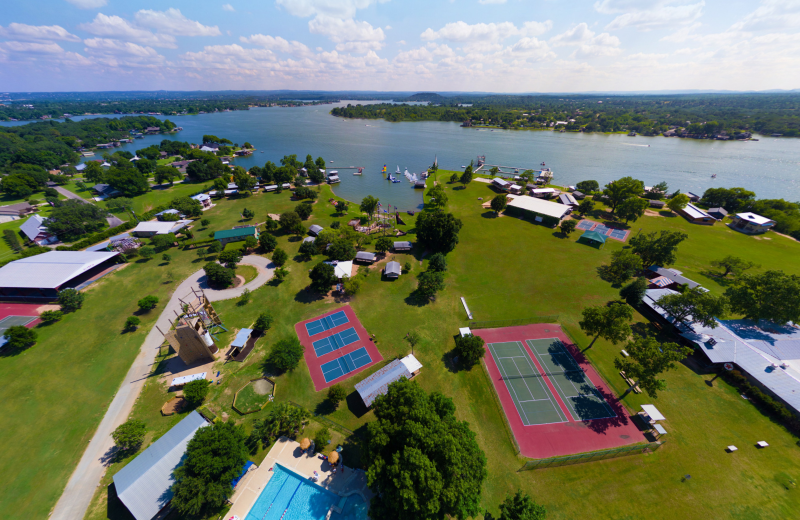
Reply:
x=398 y=169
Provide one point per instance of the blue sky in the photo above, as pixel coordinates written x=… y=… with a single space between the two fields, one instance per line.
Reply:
x=457 y=45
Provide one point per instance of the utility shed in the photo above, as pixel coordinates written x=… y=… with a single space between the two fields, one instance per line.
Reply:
x=696 y=215
x=152 y=228
x=402 y=246
x=378 y=383
x=392 y=270
x=144 y=484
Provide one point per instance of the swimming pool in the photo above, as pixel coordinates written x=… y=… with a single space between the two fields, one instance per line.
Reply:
x=301 y=499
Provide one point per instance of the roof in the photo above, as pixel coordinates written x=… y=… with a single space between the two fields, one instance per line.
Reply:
x=695 y=212
x=464 y=331
x=50 y=270
x=144 y=484
x=315 y=229
x=201 y=197
x=543 y=207
x=721 y=211
x=568 y=199
x=594 y=235
x=393 y=268
x=342 y=269
x=34 y=226
x=543 y=190
x=365 y=255
x=378 y=383
x=675 y=276
x=309 y=239
x=758 y=220
x=15 y=208
x=653 y=412
x=159 y=228
x=241 y=338
x=182 y=380
x=500 y=182
x=403 y=243
x=234 y=233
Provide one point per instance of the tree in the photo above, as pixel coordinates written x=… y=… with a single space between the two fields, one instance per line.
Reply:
x=148 y=303
x=733 y=264
x=70 y=299
x=217 y=275
x=94 y=172
x=634 y=292
x=119 y=204
x=624 y=265
x=369 y=205
x=383 y=244
x=19 y=337
x=51 y=316
x=622 y=189
x=147 y=252
x=283 y=419
x=438 y=231
x=247 y=214
x=697 y=303
x=281 y=273
x=733 y=199
x=633 y=208
x=132 y=323
x=263 y=322
x=163 y=242
x=494 y=170
x=402 y=462
x=429 y=283
x=205 y=222
x=341 y=249
x=215 y=247
x=647 y=360
x=307 y=249
x=128 y=181
x=279 y=257
x=304 y=210
x=466 y=177
x=568 y=226
x=286 y=354
x=657 y=248
x=268 y=242
x=250 y=243
x=587 y=187
x=609 y=322
x=322 y=277
x=129 y=435
x=352 y=284
x=214 y=457
x=288 y=220
x=454 y=178
x=678 y=202
x=438 y=262
x=195 y=392
x=220 y=185
x=586 y=206
x=230 y=257
x=320 y=162
x=336 y=394
x=771 y=295
x=341 y=207
x=165 y=174
x=438 y=198
x=71 y=219
x=520 y=507
x=499 y=203
x=469 y=349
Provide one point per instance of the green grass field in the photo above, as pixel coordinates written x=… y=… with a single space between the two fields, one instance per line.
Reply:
x=55 y=393
x=248 y=399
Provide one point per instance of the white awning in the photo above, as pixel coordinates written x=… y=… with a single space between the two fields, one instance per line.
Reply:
x=653 y=412
x=182 y=380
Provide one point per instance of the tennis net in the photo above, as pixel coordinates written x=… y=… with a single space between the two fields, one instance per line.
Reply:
x=558 y=373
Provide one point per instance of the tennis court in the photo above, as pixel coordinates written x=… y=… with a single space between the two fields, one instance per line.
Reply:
x=335 y=341
x=585 y=225
x=532 y=398
x=326 y=323
x=11 y=321
x=570 y=381
x=344 y=365
x=619 y=234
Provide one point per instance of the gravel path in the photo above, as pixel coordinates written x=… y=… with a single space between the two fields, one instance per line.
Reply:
x=87 y=475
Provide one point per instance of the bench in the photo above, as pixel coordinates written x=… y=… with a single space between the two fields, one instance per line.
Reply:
x=628 y=380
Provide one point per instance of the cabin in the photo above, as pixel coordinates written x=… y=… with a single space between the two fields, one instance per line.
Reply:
x=166 y=215
x=36 y=231
x=718 y=213
x=696 y=215
x=152 y=130
x=568 y=200
x=693 y=197
x=419 y=185
x=658 y=204
x=105 y=191
x=402 y=246
x=204 y=199
x=393 y=270
x=751 y=224
x=578 y=195
x=544 y=193
x=152 y=228
x=315 y=230
x=365 y=257
x=236 y=235
x=501 y=184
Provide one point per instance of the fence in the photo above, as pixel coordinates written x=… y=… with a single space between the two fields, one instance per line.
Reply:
x=591 y=456
x=500 y=407
x=492 y=324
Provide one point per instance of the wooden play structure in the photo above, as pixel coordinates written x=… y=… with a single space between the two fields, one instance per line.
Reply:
x=191 y=336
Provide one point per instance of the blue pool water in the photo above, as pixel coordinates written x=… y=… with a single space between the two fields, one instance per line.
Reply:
x=301 y=499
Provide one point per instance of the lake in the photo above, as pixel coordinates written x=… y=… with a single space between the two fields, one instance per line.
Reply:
x=770 y=166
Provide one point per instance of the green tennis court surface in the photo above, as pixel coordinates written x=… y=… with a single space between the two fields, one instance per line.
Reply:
x=11 y=321
x=572 y=384
x=533 y=400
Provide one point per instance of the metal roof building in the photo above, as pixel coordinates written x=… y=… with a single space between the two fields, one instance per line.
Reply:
x=144 y=484
x=393 y=270
x=365 y=256
x=157 y=227
x=378 y=383
x=48 y=272
x=315 y=229
x=542 y=207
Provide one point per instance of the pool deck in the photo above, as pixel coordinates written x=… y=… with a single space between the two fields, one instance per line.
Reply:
x=287 y=453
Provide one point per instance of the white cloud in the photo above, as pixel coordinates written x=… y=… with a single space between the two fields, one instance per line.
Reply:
x=574 y=36
x=625 y=6
x=772 y=14
x=531 y=48
x=33 y=47
x=276 y=43
x=88 y=4
x=21 y=31
x=463 y=32
x=402 y=42
x=343 y=31
x=109 y=46
x=536 y=28
x=173 y=22
x=663 y=16
x=330 y=8
x=116 y=27
x=587 y=42
x=228 y=7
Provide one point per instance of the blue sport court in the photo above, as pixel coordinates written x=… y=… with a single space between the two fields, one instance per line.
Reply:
x=345 y=364
x=619 y=234
x=603 y=230
x=585 y=225
x=335 y=341
x=328 y=322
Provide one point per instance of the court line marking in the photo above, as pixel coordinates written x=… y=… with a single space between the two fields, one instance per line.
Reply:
x=534 y=371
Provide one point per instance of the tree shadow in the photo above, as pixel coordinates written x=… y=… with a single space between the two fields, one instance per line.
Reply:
x=604 y=272
x=415 y=299
x=718 y=277
x=356 y=406
x=450 y=360
x=560 y=234
x=324 y=407
x=9 y=351
x=490 y=214
x=668 y=214
x=295 y=238
x=308 y=295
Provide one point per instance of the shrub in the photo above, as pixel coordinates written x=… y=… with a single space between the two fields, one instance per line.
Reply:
x=70 y=300
x=263 y=322
x=279 y=257
x=20 y=337
x=195 y=392
x=163 y=242
x=245 y=297
x=132 y=323
x=248 y=213
x=407 y=267
x=268 y=242
x=12 y=240
x=286 y=355
x=308 y=249
x=336 y=224
x=383 y=244
x=438 y=262
x=51 y=316
x=205 y=222
x=148 y=303
x=568 y=226
x=166 y=258
x=218 y=276
x=129 y=435
x=634 y=292
x=147 y=252
x=336 y=394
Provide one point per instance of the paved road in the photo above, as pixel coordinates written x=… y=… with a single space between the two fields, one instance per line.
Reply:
x=87 y=475
x=68 y=194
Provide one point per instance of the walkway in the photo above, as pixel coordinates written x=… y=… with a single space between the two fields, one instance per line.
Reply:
x=87 y=475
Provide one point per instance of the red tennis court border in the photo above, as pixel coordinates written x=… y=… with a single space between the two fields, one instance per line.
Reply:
x=552 y=440
x=21 y=309
x=315 y=363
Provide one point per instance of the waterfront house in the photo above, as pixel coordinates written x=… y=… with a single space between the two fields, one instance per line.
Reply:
x=544 y=193
x=152 y=130
x=751 y=224
x=333 y=179
x=17 y=210
x=537 y=208
x=658 y=204
x=718 y=213
x=204 y=199
x=693 y=197
x=696 y=215
x=568 y=200
x=501 y=184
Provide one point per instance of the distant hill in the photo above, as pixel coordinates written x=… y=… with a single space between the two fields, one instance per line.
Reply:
x=433 y=97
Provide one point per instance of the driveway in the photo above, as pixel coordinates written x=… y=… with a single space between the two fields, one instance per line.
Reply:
x=68 y=194
x=87 y=475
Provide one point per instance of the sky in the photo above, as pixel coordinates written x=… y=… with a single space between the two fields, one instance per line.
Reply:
x=400 y=45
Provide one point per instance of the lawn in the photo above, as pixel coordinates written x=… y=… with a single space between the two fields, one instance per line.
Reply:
x=505 y=268
x=253 y=396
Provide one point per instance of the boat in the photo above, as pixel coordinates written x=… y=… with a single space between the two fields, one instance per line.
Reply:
x=463 y=165
x=262 y=151
x=359 y=172
x=333 y=172
x=714 y=176
x=398 y=170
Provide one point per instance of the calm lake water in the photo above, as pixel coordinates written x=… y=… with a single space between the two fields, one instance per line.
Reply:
x=770 y=167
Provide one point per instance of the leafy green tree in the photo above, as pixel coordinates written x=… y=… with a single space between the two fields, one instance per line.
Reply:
x=129 y=435
x=19 y=337
x=217 y=275
x=70 y=300
x=71 y=219
x=568 y=226
x=341 y=249
x=438 y=231
x=163 y=242
x=283 y=419
x=678 y=202
x=732 y=199
x=733 y=265
x=470 y=350
x=701 y=305
x=499 y=203
x=634 y=292
x=220 y=185
x=289 y=220
x=520 y=507
x=148 y=303
x=622 y=189
x=586 y=206
x=322 y=277
x=215 y=247
x=624 y=265
x=438 y=197
x=657 y=248
x=383 y=244
x=647 y=360
x=633 y=208
x=466 y=177
x=494 y=170
x=147 y=252
x=268 y=242
x=352 y=284
x=51 y=316
x=250 y=243
x=132 y=323
x=609 y=322
x=94 y=172
x=429 y=283
x=214 y=457
x=438 y=262
x=247 y=214
x=119 y=204
x=304 y=210
x=322 y=439
x=205 y=222
x=307 y=249
x=286 y=355
x=127 y=181
x=279 y=257
x=402 y=462
x=164 y=174
x=369 y=205
x=771 y=295
x=587 y=187
x=263 y=322
x=230 y=257
x=454 y=178
x=195 y=392
x=336 y=394
x=341 y=207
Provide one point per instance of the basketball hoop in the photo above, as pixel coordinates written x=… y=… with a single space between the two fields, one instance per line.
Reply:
x=728 y=366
